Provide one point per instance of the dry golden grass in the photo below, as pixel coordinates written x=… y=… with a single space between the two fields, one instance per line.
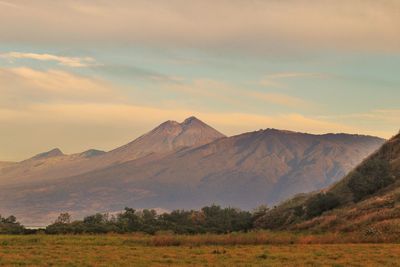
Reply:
x=378 y=215
x=208 y=250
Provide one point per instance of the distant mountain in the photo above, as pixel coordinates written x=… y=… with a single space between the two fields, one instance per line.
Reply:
x=367 y=200
x=91 y=153
x=242 y=171
x=47 y=165
x=50 y=154
x=168 y=137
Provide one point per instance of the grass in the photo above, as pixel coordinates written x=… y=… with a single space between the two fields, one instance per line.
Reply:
x=280 y=249
x=379 y=215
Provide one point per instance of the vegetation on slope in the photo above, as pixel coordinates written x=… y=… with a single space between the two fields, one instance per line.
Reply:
x=369 y=194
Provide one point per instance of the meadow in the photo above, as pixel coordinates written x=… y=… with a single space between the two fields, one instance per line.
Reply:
x=246 y=249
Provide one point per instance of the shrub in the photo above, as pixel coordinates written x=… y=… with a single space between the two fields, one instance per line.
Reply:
x=320 y=203
x=276 y=218
x=10 y=225
x=369 y=178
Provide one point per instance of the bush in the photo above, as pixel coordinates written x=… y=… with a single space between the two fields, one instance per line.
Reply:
x=10 y=225
x=276 y=218
x=370 y=178
x=320 y=203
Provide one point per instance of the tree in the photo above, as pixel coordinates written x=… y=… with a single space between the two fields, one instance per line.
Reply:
x=10 y=225
x=64 y=218
x=128 y=221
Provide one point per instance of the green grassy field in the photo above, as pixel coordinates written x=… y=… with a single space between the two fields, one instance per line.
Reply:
x=141 y=250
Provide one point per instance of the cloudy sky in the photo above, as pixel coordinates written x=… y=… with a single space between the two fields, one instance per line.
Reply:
x=86 y=74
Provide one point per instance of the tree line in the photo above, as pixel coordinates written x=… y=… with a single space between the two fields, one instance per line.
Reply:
x=212 y=219
x=209 y=219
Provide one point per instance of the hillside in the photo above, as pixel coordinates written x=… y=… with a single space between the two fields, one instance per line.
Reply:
x=168 y=137
x=242 y=171
x=366 y=200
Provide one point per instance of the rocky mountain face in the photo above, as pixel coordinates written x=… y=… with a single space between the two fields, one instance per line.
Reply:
x=169 y=170
x=168 y=137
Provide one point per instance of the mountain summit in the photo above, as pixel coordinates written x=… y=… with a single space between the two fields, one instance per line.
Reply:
x=167 y=137
x=56 y=152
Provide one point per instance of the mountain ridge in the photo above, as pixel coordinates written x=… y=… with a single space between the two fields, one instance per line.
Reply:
x=161 y=140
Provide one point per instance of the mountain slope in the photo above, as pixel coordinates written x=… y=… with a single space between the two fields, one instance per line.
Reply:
x=366 y=200
x=166 y=138
x=4 y=164
x=243 y=171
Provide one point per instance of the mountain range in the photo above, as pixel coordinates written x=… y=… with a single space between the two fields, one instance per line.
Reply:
x=179 y=165
x=168 y=137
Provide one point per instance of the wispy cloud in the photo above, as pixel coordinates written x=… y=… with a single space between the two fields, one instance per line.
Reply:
x=373 y=117
x=276 y=79
x=75 y=62
x=129 y=71
x=57 y=103
x=212 y=90
x=124 y=115
x=25 y=85
x=281 y=99
x=248 y=26
x=108 y=125
x=208 y=90
x=54 y=94
x=8 y=4
x=283 y=75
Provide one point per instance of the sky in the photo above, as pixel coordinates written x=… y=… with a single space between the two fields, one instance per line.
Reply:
x=83 y=74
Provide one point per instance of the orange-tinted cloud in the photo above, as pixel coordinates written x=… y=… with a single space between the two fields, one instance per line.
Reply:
x=262 y=25
x=61 y=60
